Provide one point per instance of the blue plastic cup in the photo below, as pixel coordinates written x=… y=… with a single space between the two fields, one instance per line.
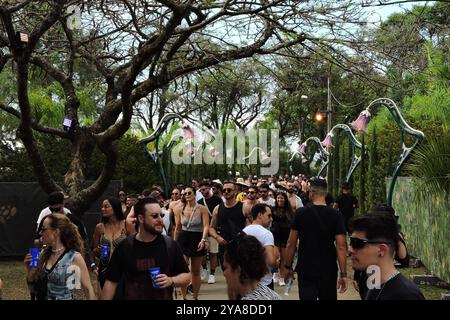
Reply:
x=154 y=272
x=34 y=257
x=105 y=251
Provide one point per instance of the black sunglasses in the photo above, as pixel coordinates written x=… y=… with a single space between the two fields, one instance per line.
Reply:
x=175 y=193
x=156 y=215
x=357 y=243
x=188 y=193
x=55 y=209
x=227 y=190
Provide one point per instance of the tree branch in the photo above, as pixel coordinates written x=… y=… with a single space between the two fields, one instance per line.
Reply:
x=35 y=125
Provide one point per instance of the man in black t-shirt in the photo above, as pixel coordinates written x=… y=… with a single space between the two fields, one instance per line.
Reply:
x=210 y=201
x=347 y=203
x=318 y=227
x=147 y=249
x=372 y=246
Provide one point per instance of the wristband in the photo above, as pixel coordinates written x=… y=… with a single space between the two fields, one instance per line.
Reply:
x=343 y=274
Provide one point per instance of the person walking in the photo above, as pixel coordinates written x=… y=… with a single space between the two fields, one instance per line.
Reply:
x=245 y=265
x=60 y=262
x=228 y=219
x=138 y=253
x=191 y=233
x=108 y=234
x=283 y=215
x=261 y=221
x=373 y=242
x=346 y=203
x=210 y=201
x=318 y=227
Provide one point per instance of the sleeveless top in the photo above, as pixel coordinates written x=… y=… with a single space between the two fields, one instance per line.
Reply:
x=112 y=245
x=194 y=223
x=230 y=221
x=58 y=278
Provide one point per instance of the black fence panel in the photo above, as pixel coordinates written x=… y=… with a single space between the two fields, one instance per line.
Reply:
x=20 y=205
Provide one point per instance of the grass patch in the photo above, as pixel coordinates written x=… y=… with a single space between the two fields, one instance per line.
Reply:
x=430 y=292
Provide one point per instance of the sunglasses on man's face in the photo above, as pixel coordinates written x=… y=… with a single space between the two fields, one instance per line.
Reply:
x=157 y=215
x=357 y=243
x=227 y=190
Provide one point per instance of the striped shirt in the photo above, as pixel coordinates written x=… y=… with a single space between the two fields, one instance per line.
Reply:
x=262 y=292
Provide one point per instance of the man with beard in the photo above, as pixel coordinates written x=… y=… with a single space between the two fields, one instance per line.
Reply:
x=250 y=201
x=147 y=249
x=294 y=200
x=228 y=219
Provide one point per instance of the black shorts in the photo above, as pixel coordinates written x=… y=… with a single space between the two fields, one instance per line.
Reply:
x=189 y=241
x=280 y=236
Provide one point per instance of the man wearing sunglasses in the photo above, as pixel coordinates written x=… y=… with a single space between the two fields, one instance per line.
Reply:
x=228 y=219
x=147 y=249
x=264 y=195
x=373 y=242
x=318 y=227
x=251 y=200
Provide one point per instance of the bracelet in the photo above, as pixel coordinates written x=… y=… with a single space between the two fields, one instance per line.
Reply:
x=343 y=274
x=93 y=265
x=204 y=240
x=288 y=267
x=173 y=282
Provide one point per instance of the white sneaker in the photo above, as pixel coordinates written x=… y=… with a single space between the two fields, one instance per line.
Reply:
x=281 y=282
x=276 y=277
x=203 y=274
x=211 y=279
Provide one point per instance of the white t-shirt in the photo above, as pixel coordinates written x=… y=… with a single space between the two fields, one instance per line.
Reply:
x=270 y=201
x=266 y=238
x=45 y=212
x=298 y=202
x=166 y=220
x=198 y=196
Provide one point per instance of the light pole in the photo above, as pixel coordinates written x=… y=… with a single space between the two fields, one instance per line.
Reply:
x=300 y=122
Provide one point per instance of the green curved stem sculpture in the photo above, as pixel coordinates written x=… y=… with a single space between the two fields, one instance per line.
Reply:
x=355 y=160
x=360 y=125
x=324 y=154
x=160 y=128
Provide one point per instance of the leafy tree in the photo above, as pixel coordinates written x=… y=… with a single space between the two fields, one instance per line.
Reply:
x=131 y=49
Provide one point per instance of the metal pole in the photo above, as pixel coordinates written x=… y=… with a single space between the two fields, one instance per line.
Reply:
x=328 y=125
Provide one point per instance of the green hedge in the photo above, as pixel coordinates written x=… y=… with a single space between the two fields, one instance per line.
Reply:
x=426 y=227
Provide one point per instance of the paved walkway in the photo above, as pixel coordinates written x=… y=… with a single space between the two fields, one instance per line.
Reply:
x=217 y=291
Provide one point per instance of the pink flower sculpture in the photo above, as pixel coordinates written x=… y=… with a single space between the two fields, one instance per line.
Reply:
x=360 y=124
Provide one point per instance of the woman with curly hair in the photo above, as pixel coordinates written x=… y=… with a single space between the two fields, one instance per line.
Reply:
x=244 y=266
x=61 y=267
x=282 y=215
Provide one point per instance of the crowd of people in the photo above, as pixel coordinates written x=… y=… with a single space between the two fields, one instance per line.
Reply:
x=255 y=228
